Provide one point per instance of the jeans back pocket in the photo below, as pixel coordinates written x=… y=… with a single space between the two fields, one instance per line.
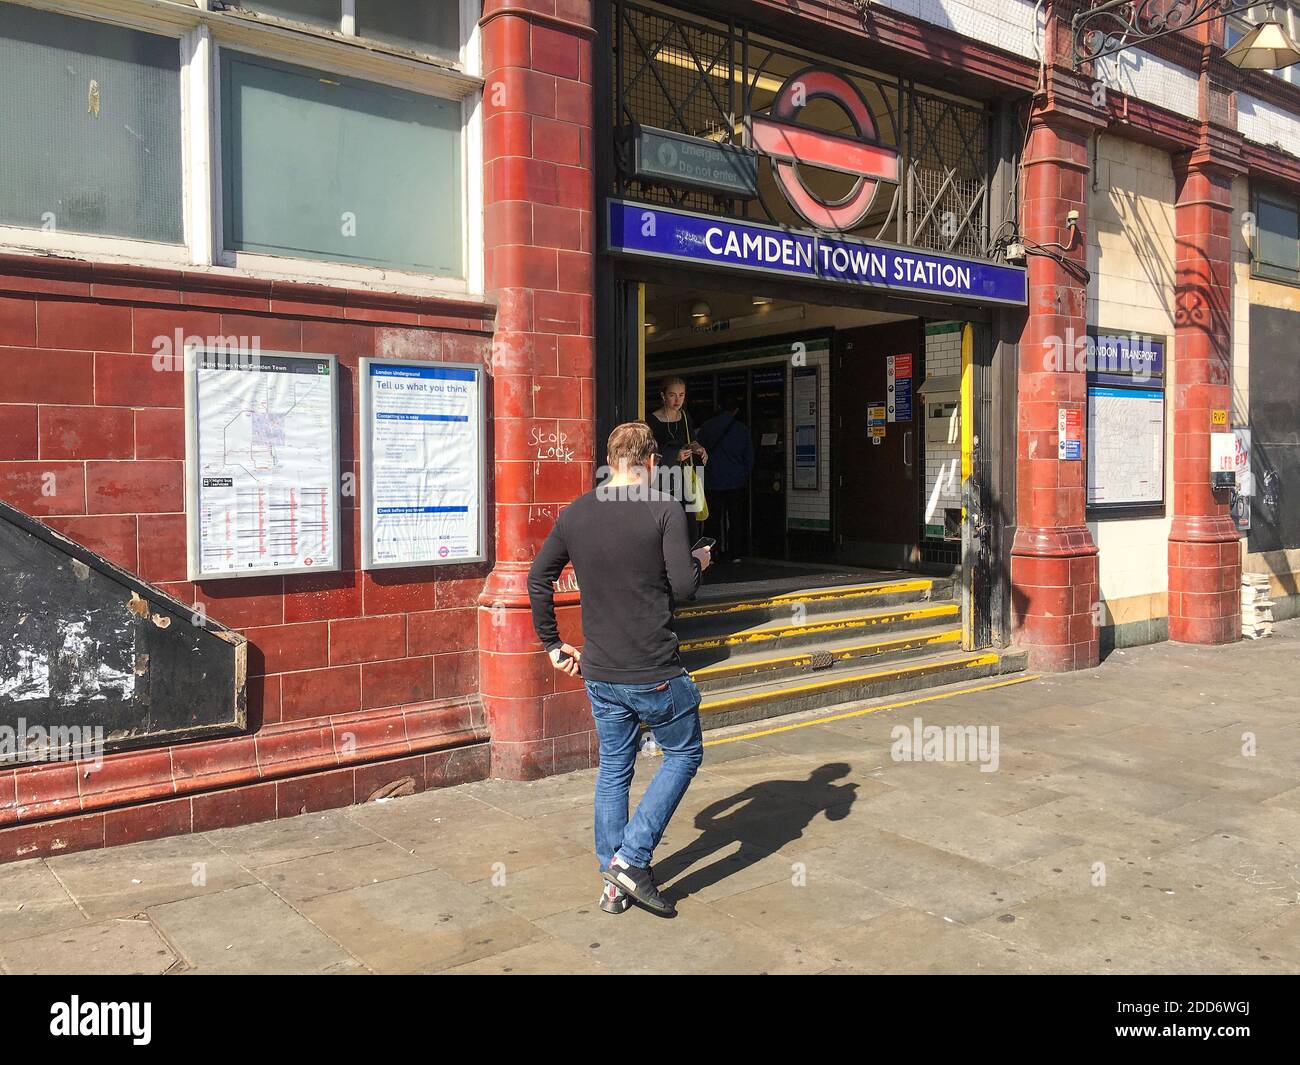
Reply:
x=653 y=703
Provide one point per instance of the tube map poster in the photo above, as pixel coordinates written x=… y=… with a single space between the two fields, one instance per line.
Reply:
x=263 y=467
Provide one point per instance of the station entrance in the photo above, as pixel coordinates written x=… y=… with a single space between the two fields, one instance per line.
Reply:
x=814 y=249
x=836 y=432
x=843 y=483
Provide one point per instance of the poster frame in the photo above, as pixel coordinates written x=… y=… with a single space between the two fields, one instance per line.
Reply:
x=795 y=486
x=193 y=547
x=366 y=495
x=1144 y=509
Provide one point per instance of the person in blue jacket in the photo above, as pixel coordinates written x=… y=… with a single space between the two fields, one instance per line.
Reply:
x=731 y=459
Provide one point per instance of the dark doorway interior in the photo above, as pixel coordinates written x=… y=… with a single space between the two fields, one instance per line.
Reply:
x=877 y=492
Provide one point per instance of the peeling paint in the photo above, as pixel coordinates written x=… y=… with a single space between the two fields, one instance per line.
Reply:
x=32 y=681
x=87 y=668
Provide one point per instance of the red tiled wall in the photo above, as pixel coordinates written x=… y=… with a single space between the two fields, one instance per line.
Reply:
x=92 y=441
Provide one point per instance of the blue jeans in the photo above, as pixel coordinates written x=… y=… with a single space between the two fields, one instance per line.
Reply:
x=671 y=710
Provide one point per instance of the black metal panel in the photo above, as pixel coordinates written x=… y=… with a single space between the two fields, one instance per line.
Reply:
x=1275 y=429
x=86 y=646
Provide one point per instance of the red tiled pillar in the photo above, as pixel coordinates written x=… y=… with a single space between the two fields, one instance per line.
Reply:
x=1204 y=553
x=538 y=234
x=1053 y=558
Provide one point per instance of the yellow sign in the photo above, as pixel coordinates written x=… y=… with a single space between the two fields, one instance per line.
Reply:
x=1218 y=417
x=876 y=423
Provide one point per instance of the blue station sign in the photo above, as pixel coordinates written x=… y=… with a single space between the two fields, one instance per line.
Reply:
x=662 y=233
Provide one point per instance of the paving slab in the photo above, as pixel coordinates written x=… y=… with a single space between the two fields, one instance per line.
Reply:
x=948 y=825
x=922 y=877
x=912 y=942
x=541 y=890
x=120 y=881
x=248 y=930
x=548 y=957
x=1090 y=931
x=421 y=923
x=322 y=874
x=33 y=901
x=268 y=842
x=124 y=946
x=700 y=940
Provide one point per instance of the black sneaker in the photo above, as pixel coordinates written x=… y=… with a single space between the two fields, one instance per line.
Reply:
x=612 y=900
x=640 y=884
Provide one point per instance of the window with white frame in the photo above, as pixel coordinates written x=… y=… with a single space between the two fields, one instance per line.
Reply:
x=431 y=28
x=90 y=123
x=338 y=169
x=245 y=137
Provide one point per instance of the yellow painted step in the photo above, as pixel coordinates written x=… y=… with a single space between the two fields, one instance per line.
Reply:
x=840 y=653
x=819 y=595
x=727 y=701
x=822 y=625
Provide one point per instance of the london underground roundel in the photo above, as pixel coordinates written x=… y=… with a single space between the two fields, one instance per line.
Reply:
x=789 y=144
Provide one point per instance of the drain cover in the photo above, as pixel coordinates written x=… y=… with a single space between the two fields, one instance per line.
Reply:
x=822 y=660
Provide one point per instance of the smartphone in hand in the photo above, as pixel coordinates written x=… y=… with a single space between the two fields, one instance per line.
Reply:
x=704 y=541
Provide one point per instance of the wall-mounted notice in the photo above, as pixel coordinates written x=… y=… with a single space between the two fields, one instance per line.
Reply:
x=876 y=422
x=1126 y=422
x=1069 y=434
x=422 y=471
x=898 y=386
x=1239 y=506
x=1126 y=446
x=261 y=459
x=804 y=403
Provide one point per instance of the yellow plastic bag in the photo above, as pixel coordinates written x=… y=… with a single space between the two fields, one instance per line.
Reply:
x=693 y=482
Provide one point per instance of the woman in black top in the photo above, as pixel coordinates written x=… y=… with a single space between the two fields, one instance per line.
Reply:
x=672 y=433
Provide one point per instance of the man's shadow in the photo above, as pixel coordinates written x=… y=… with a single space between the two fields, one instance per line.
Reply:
x=765 y=818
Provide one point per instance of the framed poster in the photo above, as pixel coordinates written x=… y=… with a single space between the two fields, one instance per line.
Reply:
x=803 y=398
x=422 y=463
x=1126 y=424
x=261 y=463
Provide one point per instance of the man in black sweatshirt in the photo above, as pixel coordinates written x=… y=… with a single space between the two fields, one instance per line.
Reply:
x=632 y=557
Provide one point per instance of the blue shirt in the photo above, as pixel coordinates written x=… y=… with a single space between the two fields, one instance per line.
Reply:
x=731 y=452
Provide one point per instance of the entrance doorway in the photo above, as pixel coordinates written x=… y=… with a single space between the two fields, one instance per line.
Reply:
x=850 y=418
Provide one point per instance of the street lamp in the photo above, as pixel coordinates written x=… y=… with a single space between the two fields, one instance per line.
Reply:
x=1267 y=47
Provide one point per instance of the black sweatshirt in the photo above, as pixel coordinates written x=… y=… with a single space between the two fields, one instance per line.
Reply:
x=632 y=558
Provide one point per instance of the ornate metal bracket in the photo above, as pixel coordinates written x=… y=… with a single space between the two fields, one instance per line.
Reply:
x=1112 y=26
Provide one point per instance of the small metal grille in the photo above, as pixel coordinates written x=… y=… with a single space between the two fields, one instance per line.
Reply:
x=948 y=176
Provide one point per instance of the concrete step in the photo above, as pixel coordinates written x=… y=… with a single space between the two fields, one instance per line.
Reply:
x=714 y=614
x=904 y=703
x=792 y=695
x=784 y=632
x=748 y=667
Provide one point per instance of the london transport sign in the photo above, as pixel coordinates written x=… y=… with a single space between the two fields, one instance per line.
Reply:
x=642 y=229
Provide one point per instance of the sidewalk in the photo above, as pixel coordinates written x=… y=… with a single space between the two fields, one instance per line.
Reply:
x=1123 y=831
